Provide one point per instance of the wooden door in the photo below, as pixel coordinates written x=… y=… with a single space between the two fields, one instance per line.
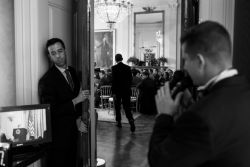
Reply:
x=83 y=62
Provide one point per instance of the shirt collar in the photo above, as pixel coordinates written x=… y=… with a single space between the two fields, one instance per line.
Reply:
x=61 y=69
x=224 y=74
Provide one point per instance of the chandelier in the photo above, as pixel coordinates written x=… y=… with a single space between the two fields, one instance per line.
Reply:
x=113 y=11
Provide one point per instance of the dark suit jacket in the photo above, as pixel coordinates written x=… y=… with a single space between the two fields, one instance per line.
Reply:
x=121 y=79
x=55 y=90
x=214 y=132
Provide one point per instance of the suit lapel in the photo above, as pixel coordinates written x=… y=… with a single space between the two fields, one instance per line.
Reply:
x=61 y=78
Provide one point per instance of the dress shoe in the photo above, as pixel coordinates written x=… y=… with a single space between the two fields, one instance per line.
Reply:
x=132 y=126
x=119 y=124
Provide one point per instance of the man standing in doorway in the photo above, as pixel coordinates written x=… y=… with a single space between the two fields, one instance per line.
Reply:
x=121 y=89
x=61 y=88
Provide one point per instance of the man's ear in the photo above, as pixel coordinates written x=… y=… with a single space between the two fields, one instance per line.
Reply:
x=201 y=60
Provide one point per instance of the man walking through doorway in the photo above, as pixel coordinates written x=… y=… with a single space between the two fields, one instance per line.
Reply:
x=121 y=89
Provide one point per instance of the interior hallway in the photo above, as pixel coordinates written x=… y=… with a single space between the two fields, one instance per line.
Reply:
x=121 y=148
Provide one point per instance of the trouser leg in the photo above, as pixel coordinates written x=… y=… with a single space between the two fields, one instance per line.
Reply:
x=117 y=102
x=127 y=108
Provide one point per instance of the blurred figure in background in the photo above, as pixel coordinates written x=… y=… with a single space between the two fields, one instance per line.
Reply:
x=147 y=91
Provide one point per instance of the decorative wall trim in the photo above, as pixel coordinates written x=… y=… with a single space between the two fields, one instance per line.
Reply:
x=51 y=22
x=22 y=51
x=28 y=49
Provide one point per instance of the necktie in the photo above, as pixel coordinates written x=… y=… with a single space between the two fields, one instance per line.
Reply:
x=69 y=78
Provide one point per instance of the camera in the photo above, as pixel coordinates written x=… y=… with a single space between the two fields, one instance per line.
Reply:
x=180 y=81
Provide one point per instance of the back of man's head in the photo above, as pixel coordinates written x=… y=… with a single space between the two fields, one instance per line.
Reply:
x=118 y=57
x=102 y=73
x=211 y=40
x=145 y=73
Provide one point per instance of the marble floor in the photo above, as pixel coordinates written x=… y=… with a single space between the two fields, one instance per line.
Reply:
x=120 y=147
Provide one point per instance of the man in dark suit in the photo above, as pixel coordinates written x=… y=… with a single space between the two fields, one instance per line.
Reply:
x=214 y=131
x=61 y=88
x=121 y=90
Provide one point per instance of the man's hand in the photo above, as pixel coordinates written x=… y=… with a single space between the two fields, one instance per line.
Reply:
x=83 y=95
x=82 y=127
x=164 y=103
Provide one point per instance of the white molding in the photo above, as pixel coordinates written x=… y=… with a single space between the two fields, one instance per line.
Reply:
x=34 y=58
x=18 y=49
x=27 y=50
x=22 y=51
x=51 y=22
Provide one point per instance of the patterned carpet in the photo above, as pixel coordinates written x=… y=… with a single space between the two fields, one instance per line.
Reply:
x=109 y=115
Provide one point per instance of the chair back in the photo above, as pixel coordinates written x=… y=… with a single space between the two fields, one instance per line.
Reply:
x=134 y=92
x=106 y=90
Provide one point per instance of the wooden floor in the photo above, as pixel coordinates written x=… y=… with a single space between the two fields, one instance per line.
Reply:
x=121 y=148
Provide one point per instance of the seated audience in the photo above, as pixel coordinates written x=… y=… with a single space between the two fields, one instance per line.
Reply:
x=103 y=79
x=136 y=79
x=109 y=76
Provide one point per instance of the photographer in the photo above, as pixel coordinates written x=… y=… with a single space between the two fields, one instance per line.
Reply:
x=215 y=130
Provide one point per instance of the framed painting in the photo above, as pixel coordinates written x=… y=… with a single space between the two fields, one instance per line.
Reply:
x=104 y=48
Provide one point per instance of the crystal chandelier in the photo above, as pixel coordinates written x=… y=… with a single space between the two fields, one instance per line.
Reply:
x=113 y=11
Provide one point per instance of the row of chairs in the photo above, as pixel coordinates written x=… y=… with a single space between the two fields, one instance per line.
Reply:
x=107 y=99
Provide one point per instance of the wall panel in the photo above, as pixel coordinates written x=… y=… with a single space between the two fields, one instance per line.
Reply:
x=7 y=47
